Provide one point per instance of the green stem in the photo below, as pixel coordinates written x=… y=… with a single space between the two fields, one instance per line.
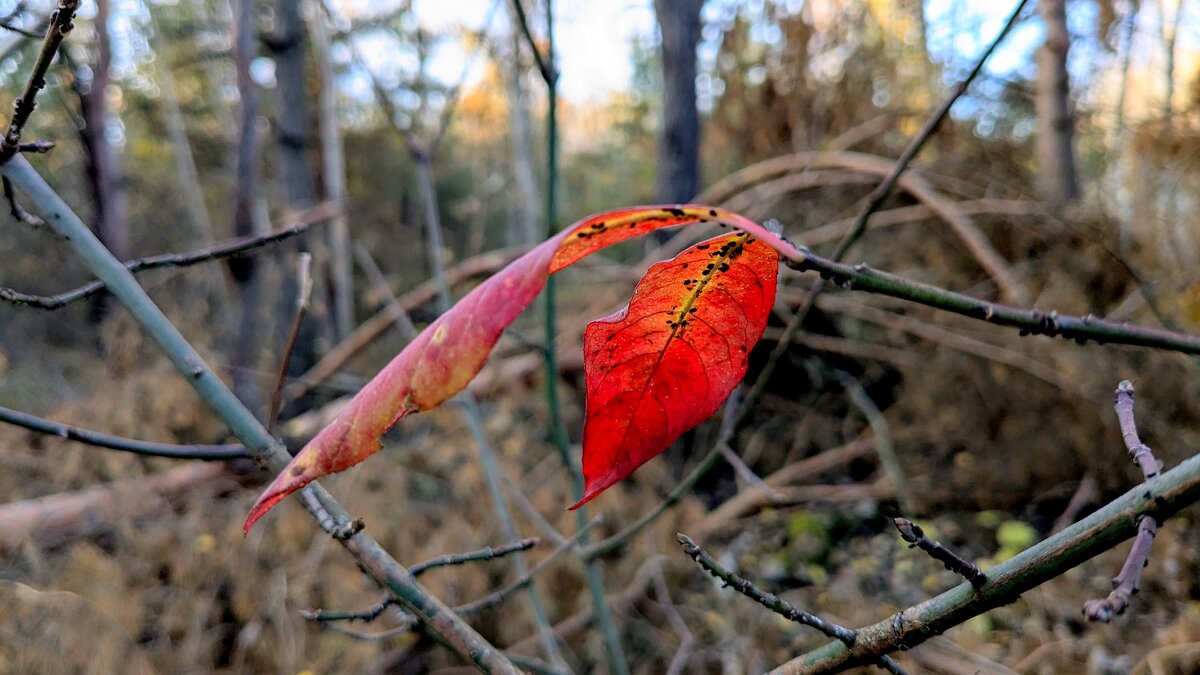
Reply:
x=595 y=578
x=1028 y=321
x=266 y=449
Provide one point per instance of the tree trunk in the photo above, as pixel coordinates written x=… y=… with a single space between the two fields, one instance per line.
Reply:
x=679 y=149
x=1056 y=153
x=104 y=166
x=250 y=328
x=292 y=122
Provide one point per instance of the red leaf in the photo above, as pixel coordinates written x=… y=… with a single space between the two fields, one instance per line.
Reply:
x=667 y=361
x=449 y=352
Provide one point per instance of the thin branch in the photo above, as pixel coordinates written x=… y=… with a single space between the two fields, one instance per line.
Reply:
x=884 y=189
x=487 y=553
x=773 y=602
x=304 y=284
x=1139 y=453
x=60 y=25
x=366 y=615
x=16 y=210
x=372 y=558
x=595 y=579
x=915 y=536
x=374 y=611
x=493 y=599
x=1125 y=584
x=768 y=600
x=1029 y=321
x=488 y=601
x=233 y=247
x=545 y=64
x=103 y=440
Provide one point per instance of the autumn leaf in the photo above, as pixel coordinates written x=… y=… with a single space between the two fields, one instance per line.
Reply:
x=444 y=358
x=667 y=361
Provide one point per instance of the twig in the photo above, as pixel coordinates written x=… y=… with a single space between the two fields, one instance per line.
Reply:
x=884 y=189
x=366 y=615
x=1139 y=453
x=304 y=284
x=302 y=221
x=771 y=601
x=16 y=210
x=768 y=600
x=1029 y=321
x=380 y=566
x=915 y=536
x=493 y=599
x=60 y=26
x=1125 y=584
x=374 y=611
x=545 y=64
x=488 y=601
x=488 y=553
x=103 y=440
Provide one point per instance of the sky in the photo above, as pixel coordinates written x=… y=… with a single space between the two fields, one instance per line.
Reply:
x=593 y=38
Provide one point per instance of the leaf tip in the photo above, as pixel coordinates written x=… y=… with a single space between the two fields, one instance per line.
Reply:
x=292 y=479
x=586 y=498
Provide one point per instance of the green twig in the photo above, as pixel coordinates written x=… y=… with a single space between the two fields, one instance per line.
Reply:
x=1028 y=321
x=595 y=578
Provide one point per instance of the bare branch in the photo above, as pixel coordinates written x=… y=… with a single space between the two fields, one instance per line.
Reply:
x=299 y=223
x=374 y=611
x=1125 y=584
x=60 y=25
x=304 y=284
x=915 y=536
x=487 y=553
x=103 y=440
x=773 y=602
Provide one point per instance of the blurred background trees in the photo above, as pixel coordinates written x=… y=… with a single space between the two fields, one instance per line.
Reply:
x=187 y=121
